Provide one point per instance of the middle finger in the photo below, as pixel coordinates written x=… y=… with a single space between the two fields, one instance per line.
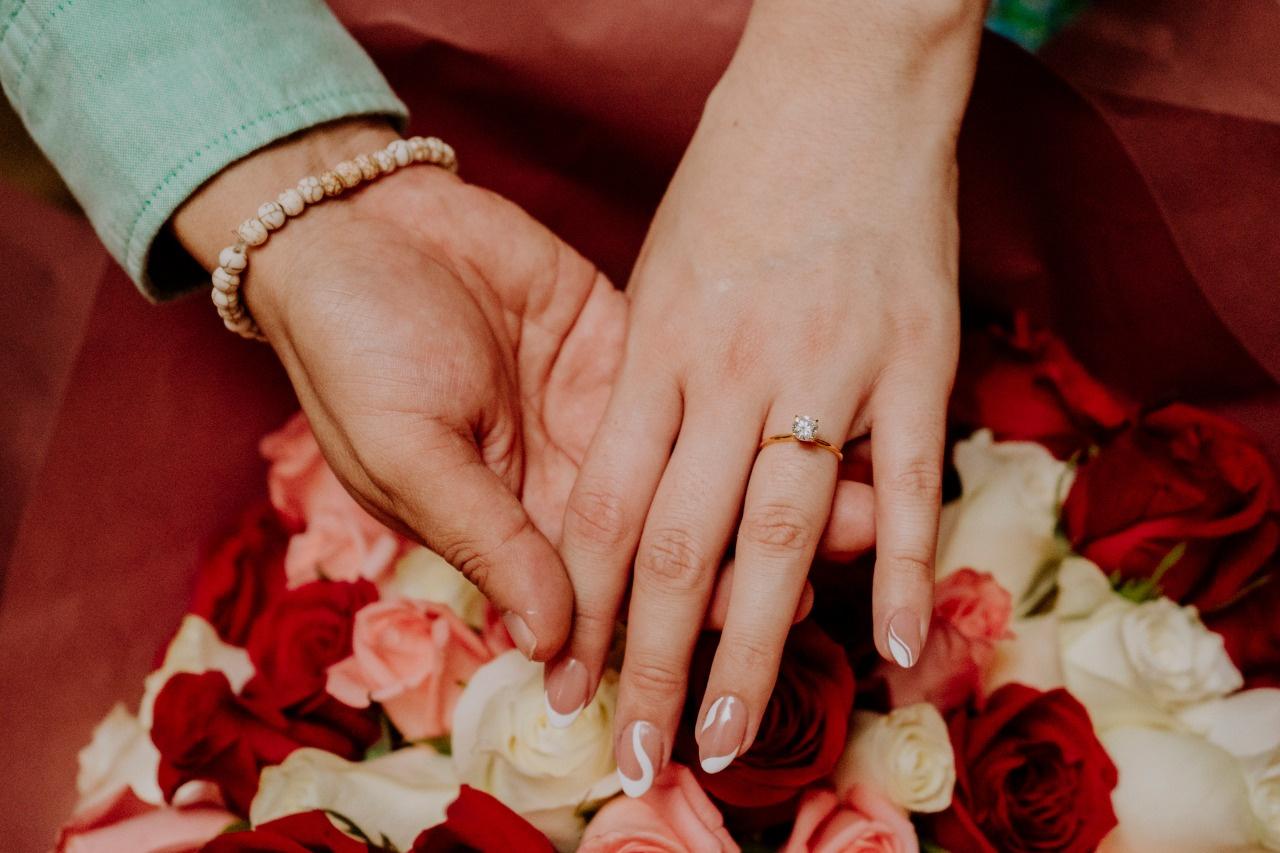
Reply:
x=685 y=537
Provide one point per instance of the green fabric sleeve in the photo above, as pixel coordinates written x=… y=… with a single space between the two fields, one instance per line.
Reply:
x=139 y=102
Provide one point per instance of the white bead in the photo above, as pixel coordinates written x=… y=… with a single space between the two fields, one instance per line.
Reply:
x=436 y=147
x=271 y=214
x=400 y=150
x=368 y=169
x=232 y=260
x=224 y=280
x=220 y=298
x=386 y=163
x=253 y=232
x=348 y=172
x=291 y=202
x=418 y=147
x=241 y=325
x=310 y=189
x=331 y=183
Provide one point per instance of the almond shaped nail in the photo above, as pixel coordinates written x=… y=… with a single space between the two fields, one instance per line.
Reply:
x=720 y=736
x=639 y=758
x=903 y=638
x=567 y=685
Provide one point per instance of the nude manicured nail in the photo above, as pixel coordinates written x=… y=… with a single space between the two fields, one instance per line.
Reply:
x=567 y=684
x=903 y=638
x=639 y=757
x=524 y=639
x=721 y=733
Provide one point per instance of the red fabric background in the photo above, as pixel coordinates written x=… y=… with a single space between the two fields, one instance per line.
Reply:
x=1131 y=219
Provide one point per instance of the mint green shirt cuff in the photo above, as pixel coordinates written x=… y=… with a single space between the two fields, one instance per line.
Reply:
x=139 y=102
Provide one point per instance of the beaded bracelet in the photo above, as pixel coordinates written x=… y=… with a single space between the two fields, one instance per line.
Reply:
x=311 y=190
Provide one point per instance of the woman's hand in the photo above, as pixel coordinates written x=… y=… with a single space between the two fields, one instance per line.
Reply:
x=451 y=354
x=803 y=262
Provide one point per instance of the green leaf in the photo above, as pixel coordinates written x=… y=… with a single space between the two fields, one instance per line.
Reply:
x=238 y=826
x=1139 y=590
x=442 y=744
x=930 y=847
x=384 y=744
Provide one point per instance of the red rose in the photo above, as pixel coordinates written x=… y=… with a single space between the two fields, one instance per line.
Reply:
x=241 y=578
x=801 y=734
x=306 y=832
x=477 y=821
x=1251 y=629
x=305 y=631
x=1026 y=386
x=1179 y=476
x=203 y=730
x=1030 y=775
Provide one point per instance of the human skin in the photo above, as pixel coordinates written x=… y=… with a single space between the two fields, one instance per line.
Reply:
x=453 y=356
x=803 y=261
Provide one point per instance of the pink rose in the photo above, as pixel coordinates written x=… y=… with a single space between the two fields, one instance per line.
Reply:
x=975 y=604
x=971 y=612
x=862 y=822
x=338 y=539
x=126 y=824
x=414 y=658
x=674 y=816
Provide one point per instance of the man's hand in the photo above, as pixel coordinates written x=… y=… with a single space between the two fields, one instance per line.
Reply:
x=451 y=354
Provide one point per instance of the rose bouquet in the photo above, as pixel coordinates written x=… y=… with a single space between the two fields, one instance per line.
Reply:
x=1099 y=672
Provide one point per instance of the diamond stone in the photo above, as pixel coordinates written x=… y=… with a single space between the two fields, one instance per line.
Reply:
x=804 y=428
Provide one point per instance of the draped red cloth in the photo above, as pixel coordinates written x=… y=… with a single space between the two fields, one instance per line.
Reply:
x=1126 y=201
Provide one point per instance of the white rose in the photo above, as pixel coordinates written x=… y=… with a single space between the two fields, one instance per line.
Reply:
x=1034 y=656
x=1177 y=793
x=1006 y=517
x=504 y=745
x=1139 y=663
x=196 y=648
x=424 y=575
x=905 y=754
x=397 y=795
x=120 y=755
x=1263 y=777
x=1245 y=724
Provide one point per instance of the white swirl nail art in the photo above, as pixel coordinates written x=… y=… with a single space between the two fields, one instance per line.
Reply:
x=716 y=763
x=901 y=651
x=638 y=787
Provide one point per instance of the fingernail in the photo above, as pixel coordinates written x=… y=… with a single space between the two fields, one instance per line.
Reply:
x=721 y=733
x=520 y=633
x=639 y=754
x=904 y=638
x=567 y=684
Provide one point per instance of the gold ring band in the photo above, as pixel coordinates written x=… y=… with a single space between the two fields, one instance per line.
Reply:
x=804 y=430
x=817 y=442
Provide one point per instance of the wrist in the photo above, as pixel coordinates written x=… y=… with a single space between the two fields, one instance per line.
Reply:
x=853 y=60
x=206 y=222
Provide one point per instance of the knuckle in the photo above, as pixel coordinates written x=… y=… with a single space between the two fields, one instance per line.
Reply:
x=595 y=516
x=751 y=656
x=915 y=567
x=671 y=557
x=919 y=481
x=778 y=527
x=655 y=677
x=593 y=626
x=477 y=560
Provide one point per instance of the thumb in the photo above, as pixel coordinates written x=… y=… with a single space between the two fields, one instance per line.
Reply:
x=465 y=512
